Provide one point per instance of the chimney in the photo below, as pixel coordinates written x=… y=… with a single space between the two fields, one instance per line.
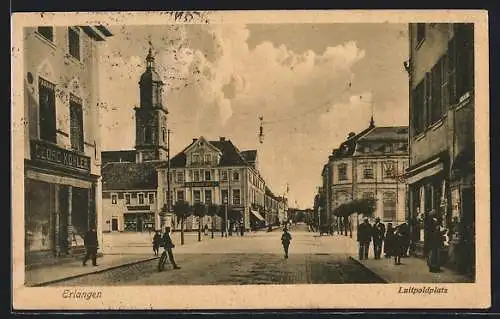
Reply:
x=222 y=138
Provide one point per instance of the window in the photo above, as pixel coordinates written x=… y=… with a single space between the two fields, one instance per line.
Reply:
x=389 y=200
x=196 y=176
x=368 y=171
x=196 y=196
x=141 y=199
x=195 y=159
x=435 y=95
x=151 y=198
x=223 y=175
x=464 y=60
x=180 y=195
x=207 y=158
x=236 y=176
x=148 y=134
x=224 y=196
x=342 y=172
x=368 y=195
x=208 y=175
x=76 y=123
x=114 y=199
x=208 y=196
x=74 y=42
x=236 y=197
x=420 y=33
x=180 y=177
x=164 y=135
x=47 y=33
x=47 y=116
x=389 y=171
x=127 y=199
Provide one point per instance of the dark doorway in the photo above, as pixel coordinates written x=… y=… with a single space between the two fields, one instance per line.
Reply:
x=114 y=224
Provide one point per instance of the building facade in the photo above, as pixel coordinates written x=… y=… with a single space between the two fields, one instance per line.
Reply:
x=62 y=140
x=215 y=172
x=441 y=172
x=369 y=165
x=130 y=180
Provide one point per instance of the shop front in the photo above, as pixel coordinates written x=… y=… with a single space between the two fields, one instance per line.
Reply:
x=59 y=202
x=139 y=221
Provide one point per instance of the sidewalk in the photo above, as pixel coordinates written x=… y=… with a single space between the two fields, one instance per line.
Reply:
x=411 y=270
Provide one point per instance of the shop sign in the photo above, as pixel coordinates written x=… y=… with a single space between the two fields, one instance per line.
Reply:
x=45 y=152
x=138 y=207
x=202 y=184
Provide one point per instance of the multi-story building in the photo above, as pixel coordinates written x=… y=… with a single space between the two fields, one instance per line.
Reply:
x=130 y=180
x=62 y=140
x=369 y=165
x=215 y=172
x=441 y=172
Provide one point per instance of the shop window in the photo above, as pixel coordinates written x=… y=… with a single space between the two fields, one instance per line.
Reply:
x=47 y=117
x=76 y=123
x=236 y=197
x=127 y=199
x=208 y=196
x=151 y=198
x=114 y=199
x=196 y=196
x=141 y=199
x=47 y=33
x=74 y=42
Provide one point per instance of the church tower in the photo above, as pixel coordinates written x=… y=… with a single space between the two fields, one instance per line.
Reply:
x=151 y=116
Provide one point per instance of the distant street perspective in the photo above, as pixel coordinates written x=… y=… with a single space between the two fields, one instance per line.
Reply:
x=256 y=258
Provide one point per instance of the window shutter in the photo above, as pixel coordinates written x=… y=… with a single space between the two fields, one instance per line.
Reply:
x=445 y=93
x=427 y=100
x=452 y=65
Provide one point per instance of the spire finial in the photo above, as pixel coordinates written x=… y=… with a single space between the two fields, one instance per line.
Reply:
x=372 y=122
x=150 y=58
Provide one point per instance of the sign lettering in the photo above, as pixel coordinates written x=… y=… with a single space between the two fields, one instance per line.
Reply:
x=54 y=154
x=202 y=184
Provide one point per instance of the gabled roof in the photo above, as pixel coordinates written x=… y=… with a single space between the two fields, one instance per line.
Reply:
x=129 y=176
x=231 y=156
x=348 y=147
x=388 y=133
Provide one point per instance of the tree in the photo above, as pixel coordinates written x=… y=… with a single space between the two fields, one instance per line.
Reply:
x=199 y=210
x=182 y=210
x=212 y=211
x=365 y=206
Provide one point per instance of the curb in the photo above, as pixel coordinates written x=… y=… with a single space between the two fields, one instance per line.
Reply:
x=92 y=273
x=368 y=269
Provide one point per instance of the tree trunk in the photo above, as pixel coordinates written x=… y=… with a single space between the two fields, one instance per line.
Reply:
x=182 y=230
x=199 y=228
x=213 y=224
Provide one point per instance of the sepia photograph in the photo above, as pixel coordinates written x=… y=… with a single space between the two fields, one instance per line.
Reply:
x=287 y=156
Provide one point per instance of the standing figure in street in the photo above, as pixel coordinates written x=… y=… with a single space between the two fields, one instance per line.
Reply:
x=91 y=245
x=405 y=233
x=205 y=230
x=364 y=237
x=168 y=245
x=156 y=242
x=398 y=245
x=389 y=241
x=435 y=242
x=378 y=237
x=285 y=241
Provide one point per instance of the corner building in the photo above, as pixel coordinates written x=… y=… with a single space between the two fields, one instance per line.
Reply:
x=62 y=141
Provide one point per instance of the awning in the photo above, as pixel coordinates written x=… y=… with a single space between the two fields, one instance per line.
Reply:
x=428 y=170
x=258 y=215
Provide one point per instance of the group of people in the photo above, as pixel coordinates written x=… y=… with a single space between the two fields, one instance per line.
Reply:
x=394 y=240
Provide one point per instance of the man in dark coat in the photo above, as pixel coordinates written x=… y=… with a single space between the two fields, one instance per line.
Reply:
x=91 y=245
x=364 y=237
x=168 y=245
x=378 y=237
x=285 y=241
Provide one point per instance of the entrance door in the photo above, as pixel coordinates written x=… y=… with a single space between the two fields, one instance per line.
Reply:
x=114 y=224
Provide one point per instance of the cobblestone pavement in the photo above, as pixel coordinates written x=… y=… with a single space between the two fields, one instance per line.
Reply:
x=255 y=258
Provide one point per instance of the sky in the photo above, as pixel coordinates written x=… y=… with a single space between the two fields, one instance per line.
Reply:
x=311 y=83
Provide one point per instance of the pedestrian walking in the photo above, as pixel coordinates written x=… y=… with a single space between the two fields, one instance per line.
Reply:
x=156 y=242
x=205 y=230
x=285 y=241
x=389 y=241
x=91 y=245
x=167 y=245
x=398 y=245
x=378 y=237
x=364 y=238
x=405 y=238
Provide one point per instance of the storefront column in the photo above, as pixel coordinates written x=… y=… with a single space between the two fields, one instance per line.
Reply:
x=57 y=213
x=70 y=222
